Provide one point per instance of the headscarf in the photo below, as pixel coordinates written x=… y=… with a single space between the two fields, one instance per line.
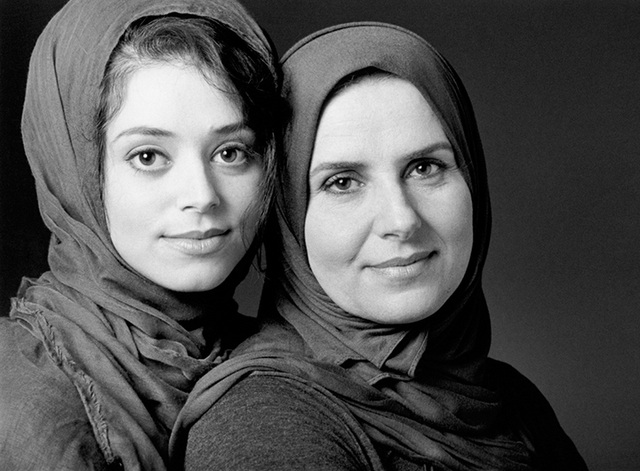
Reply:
x=132 y=349
x=425 y=390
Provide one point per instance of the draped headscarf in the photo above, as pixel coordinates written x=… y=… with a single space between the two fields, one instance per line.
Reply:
x=131 y=348
x=425 y=390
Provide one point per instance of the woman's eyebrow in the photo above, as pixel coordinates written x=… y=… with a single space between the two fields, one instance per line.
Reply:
x=337 y=165
x=430 y=149
x=356 y=165
x=144 y=131
x=230 y=128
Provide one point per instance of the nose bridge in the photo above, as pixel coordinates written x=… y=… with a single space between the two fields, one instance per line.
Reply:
x=197 y=189
x=396 y=215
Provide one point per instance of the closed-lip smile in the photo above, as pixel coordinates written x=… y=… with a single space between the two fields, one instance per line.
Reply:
x=401 y=270
x=403 y=261
x=196 y=234
x=198 y=243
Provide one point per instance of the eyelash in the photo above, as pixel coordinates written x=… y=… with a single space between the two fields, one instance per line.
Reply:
x=248 y=156
x=329 y=184
x=133 y=160
x=438 y=164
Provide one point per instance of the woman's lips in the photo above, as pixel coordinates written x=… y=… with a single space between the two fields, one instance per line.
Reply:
x=403 y=268
x=403 y=261
x=197 y=234
x=197 y=242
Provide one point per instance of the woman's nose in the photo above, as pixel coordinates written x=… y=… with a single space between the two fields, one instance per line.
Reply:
x=395 y=213
x=197 y=190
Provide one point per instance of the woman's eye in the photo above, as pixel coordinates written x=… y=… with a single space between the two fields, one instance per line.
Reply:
x=424 y=169
x=148 y=160
x=231 y=155
x=341 y=184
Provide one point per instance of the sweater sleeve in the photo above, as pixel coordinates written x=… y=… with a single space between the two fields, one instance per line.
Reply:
x=43 y=424
x=278 y=423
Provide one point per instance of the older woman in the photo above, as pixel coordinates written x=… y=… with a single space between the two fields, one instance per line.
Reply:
x=373 y=353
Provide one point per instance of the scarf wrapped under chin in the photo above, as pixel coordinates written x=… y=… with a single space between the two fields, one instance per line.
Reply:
x=132 y=349
x=426 y=391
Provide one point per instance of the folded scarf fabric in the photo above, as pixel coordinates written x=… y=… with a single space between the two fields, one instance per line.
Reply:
x=425 y=390
x=132 y=349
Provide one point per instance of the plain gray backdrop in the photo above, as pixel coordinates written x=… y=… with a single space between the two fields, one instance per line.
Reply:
x=556 y=90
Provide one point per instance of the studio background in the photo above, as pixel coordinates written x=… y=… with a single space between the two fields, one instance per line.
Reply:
x=556 y=90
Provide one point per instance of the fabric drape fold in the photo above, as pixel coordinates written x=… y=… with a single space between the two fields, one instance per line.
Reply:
x=132 y=349
x=427 y=391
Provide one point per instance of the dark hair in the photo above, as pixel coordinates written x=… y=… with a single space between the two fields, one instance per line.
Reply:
x=226 y=60
x=369 y=73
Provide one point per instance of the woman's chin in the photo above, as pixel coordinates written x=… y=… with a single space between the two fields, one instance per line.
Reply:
x=400 y=308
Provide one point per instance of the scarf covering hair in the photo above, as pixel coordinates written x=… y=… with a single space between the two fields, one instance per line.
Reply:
x=132 y=349
x=425 y=390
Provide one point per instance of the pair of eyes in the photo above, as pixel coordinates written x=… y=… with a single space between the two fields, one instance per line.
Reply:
x=344 y=182
x=150 y=160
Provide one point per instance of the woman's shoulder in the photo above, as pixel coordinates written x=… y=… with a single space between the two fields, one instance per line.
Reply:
x=518 y=390
x=524 y=402
x=509 y=378
x=278 y=421
x=44 y=424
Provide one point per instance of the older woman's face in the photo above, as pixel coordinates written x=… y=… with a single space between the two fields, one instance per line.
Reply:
x=389 y=222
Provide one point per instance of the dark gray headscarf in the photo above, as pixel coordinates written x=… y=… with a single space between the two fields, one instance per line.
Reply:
x=427 y=390
x=128 y=346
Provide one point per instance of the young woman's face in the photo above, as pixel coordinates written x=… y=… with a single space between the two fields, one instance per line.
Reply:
x=180 y=176
x=389 y=222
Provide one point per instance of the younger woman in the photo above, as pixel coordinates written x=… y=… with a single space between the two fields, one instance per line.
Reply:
x=373 y=354
x=149 y=130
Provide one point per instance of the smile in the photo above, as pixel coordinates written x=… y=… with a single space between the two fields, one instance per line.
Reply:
x=197 y=243
x=403 y=268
